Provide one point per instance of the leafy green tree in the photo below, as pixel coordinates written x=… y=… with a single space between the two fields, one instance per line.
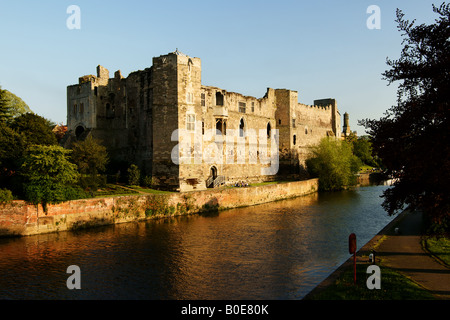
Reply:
x=333 y=162
x=362 y=148
x=49 y=175
x=5 y=112
x=12 y=148
x=91 y=158
x=36 y=129
x=15 y=104
x=412 y=139
x=134 y=175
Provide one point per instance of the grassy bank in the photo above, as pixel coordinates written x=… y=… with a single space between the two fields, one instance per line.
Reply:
x=394 y=286
x=439 y=247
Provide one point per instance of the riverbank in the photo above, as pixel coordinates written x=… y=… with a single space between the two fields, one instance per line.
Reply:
x=398 y=249
x=19 y=218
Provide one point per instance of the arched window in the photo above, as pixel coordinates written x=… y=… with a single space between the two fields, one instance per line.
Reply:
x=269 y=130
x=295 y=139
x=241 y=128
x=79 y=131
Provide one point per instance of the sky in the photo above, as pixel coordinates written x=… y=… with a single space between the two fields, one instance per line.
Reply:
x=322 y=49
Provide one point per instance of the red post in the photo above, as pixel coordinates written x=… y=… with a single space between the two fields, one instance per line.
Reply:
x=352 y=250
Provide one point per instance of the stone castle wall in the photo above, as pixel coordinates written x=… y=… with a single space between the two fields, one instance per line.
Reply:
x=142 y=119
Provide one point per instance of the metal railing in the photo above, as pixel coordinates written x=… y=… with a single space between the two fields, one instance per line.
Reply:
x=213 y=183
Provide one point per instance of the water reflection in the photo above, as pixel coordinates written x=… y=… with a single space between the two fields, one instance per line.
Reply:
x=279 y=250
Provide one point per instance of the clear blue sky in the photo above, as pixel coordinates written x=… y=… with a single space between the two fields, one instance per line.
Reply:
x=322 y=49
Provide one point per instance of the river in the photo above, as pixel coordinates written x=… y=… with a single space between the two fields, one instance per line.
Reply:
x=275 y=251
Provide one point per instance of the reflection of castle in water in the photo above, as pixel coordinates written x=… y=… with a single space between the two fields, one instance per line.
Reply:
x=135 y=118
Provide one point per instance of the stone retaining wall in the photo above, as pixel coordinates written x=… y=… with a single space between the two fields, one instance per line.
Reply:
x=19 y=218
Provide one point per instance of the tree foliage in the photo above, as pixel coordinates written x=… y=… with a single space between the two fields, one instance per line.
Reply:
x=89 y=155
x=36 y=129
x=362 y=148
x=333 y=162
x=91 y=158
x=12 y=146
x=5 y=112
x=134 y=175
x=412 y=139
x=15 y=104
x=49 y=175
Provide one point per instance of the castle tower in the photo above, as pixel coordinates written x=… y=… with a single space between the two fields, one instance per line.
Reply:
x=346 y=128
x=176 y=102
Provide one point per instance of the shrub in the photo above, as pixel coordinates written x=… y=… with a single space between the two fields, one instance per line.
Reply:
x=5 y=196
x=134 y=175
x=333 y=162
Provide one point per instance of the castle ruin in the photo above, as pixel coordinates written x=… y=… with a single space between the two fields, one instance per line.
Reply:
x=143 y=118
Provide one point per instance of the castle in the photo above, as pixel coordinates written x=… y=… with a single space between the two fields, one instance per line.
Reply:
x=188 y=136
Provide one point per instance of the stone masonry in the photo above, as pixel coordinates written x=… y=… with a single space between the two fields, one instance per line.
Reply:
x=189 y=136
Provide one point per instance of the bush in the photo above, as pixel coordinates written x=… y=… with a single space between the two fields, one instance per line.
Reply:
x=147 y=181
x=47 y=173
x=5 y=196
x=134 y=175
x=333 y=162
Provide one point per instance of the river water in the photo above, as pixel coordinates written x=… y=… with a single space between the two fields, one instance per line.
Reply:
x=280 y=250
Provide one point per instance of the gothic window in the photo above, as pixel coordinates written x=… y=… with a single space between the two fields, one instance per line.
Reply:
x=241 y=127
x=306 y=130
x=75 y=108
x=221 y=126
x=190 y=122
x=269 y=129
x=219 y=99
x=295 y=139
x=293 y=123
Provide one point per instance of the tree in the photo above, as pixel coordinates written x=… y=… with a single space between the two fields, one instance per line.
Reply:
x=49 y=175
x=5 y=112
x=412 y=139
x=134 y=175
x=362 y=148
x=12 y=148
x=15 y=105
x=90 y=157
x=36 y=129
x=333 y=162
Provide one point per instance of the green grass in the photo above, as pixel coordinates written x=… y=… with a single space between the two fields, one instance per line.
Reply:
x=439 y=247
x=394 y=286
x=148 y=190
x=113 y=190
x=264 y=183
